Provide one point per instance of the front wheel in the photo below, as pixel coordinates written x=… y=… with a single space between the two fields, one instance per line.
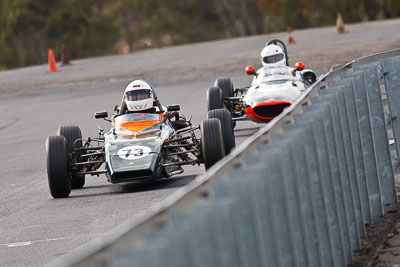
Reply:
x=212 y=144
x=215 y=98
x=226 y=86
x=73 y=135
x=226 y=125
x=57 y=167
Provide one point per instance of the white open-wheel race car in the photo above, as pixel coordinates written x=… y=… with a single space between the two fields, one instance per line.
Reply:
x=275 y=86
x=138 y=147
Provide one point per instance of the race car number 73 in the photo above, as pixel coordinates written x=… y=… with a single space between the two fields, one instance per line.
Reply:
x=133 y=152
x=137 y=152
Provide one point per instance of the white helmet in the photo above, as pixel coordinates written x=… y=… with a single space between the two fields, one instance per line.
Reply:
x=272 y=55
x=138 y=96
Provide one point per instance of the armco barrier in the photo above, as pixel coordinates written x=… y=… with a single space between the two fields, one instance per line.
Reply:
x=297 y=193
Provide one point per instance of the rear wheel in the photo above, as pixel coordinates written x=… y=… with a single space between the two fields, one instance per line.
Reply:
x=226 y=86
x=226 y=126
x=57 y=166
x=73 y=135
x=215 y=98
x=212 y=144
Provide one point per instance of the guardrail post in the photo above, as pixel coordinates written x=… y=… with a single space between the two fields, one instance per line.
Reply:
x=261 y=199
x=177 y=246
x=367 y=144
x=351 y=179
x=303 y=139
x=287 y=232
x=198 y=236
x=391 y=74
x=342 y=86
x=352 y=116
x=332 y=96
x=335 y=174
x=369 y=76
x=250 y=247
x=293 y=161
x=282 y=230
x=313 y=120
x=226 y=241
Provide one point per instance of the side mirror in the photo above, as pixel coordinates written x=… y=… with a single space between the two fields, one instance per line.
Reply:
x=174 y=108
x=300 y=66
x=250 y=70
x=309 y=77
x=101 y=115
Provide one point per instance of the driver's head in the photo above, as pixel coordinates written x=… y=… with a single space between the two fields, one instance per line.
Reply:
x=138 y=96
x=272 y=55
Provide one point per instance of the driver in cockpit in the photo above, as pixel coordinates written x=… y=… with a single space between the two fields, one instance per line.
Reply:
x=139 y=98
x=273 y=55
x=273 y=60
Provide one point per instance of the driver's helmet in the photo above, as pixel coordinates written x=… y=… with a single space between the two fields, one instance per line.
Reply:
x=138 y=96
x=272 y=55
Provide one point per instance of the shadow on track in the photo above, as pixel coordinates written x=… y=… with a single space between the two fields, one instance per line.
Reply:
x=128 y=188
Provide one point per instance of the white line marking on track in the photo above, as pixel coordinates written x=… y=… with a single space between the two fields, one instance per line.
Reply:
x=21 y=184
x=20 y=244
x=27 y=243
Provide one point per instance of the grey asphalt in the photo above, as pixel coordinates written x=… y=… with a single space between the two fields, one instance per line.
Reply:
x=36 y=230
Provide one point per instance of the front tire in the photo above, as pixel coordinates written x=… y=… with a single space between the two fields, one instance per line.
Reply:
x=57 y=167
x=225 y=118
x=73 y=135
x=226 y=86
x=215 y=98
x=212 y=144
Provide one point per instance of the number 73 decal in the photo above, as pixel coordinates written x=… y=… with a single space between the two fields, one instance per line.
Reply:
x=133 y=152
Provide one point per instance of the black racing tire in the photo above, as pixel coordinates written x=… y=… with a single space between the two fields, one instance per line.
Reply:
x=225 y=118
x=57 y=167
x=73 y=135
x=212 y=143
x=215 y=98
x=226 y=86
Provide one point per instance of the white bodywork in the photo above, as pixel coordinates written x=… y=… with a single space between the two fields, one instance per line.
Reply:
x=274 y=83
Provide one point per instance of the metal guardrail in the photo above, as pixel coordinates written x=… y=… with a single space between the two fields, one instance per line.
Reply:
x=297 y=193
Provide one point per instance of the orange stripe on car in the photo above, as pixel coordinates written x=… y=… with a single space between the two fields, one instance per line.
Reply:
x=137 y=126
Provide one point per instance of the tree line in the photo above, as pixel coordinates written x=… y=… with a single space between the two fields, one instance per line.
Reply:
x=100 y=27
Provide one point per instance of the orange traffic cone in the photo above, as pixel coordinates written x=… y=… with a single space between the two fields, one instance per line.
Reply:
x=64 y=57
x=52 y=61
x=340 y=24
x=290 y=37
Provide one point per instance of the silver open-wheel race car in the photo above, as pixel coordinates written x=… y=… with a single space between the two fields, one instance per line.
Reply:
x=138 y=147
x=275 y=86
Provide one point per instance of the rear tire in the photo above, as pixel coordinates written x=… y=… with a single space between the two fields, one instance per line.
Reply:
x=226 y=125
x=226 y=86
x=215 y=98
x=57 y=167
x=72 y=134
x=212 y=144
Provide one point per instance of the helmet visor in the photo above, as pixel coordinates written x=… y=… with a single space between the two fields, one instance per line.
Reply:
x=136 y=95
x=273 y=58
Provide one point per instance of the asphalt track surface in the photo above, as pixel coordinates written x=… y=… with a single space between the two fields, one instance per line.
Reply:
x=36 y=230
